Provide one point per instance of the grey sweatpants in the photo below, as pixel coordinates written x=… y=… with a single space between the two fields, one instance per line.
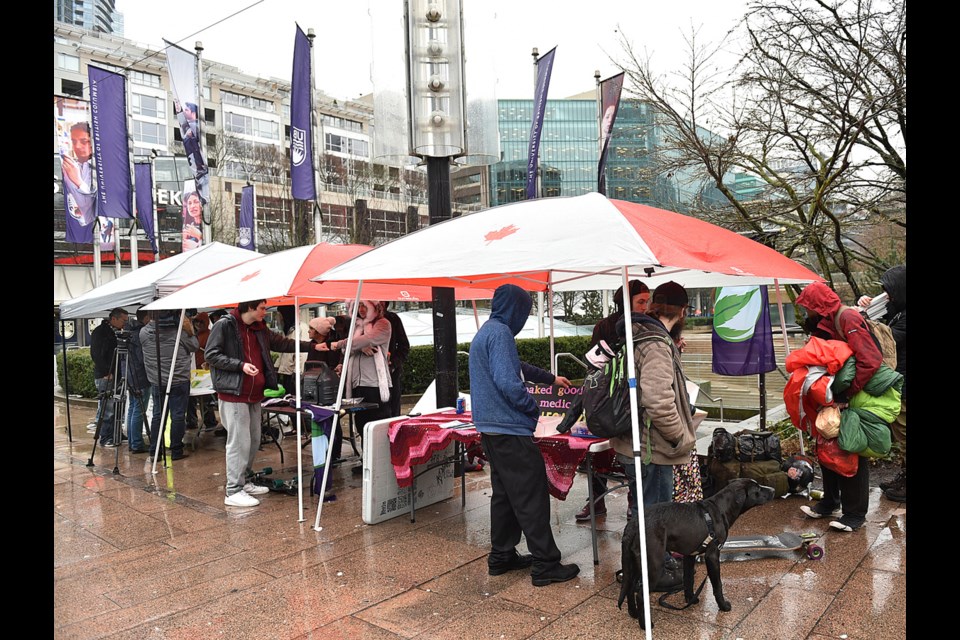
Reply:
x=242 y=422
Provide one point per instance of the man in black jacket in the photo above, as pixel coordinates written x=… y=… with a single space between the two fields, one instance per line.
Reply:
x=138 y=385
x=399 y=350
x=238 y=352
x=894 y=283
x=103 y=344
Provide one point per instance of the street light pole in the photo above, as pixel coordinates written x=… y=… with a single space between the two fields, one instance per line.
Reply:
x=444 y=301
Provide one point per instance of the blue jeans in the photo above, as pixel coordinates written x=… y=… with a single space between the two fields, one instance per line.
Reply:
x=657 y=481
x=105 y=409
x=136 y=409
x=179 y=395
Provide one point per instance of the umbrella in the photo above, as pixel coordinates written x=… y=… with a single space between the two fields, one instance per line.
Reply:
x=283 y=278
x=576 y=243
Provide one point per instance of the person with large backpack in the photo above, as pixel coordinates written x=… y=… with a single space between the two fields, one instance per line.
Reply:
x=667 y=433
x=894 y=283
x=848 y=497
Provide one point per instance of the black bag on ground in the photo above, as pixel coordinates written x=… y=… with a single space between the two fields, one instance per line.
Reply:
x=758 y=445
x=723 y=447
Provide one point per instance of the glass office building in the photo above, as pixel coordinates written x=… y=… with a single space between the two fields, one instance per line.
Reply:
x=569 y=153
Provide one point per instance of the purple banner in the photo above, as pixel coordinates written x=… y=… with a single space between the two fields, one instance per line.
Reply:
x=245 y=238
x=544 y=68
x=609 y=106
x=108 y=107
x=78 y=179
x=301 y=132
x=182 y=69
x=143 y=179
x=742 y=336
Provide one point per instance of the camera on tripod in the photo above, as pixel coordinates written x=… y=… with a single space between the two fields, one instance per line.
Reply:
x=123 y=337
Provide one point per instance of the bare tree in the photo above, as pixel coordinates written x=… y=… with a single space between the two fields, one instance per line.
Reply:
x=815 y=111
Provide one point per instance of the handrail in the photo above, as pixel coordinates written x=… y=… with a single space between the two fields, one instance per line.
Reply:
x=718 y=399
x=556 y=360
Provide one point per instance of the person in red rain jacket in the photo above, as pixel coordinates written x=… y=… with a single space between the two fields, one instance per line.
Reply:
x=848 y=497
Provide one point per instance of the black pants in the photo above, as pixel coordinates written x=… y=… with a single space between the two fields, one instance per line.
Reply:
x=520 y=501
x=851 y=494
x=395 y=391
x=361 y=418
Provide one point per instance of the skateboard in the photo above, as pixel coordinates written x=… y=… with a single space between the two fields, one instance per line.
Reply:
x=757 y=546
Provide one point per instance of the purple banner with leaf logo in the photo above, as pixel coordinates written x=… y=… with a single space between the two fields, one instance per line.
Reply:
x=245 y=237
x=143 y=179
x=609 y=106
x=301 y=132
x=742 y=336
x=544 y=68
x=108 y=108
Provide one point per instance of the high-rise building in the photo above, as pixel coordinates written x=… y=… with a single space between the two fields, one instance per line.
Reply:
x=92 y=15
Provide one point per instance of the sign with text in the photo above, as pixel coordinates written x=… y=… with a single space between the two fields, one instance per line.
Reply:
x=553 y=399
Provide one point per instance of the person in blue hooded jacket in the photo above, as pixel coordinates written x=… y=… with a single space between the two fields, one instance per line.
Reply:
x=506 y=415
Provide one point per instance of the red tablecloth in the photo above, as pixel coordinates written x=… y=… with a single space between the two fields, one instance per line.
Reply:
x=414 y=440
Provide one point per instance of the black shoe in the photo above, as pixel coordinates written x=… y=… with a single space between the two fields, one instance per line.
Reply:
x=139 y=450
x=517 y=562
x=557 y=573
x=599 y=509
x=671 y=580
x=897 y=494
x=179 y=455
x=220 y=432
x=357 y=471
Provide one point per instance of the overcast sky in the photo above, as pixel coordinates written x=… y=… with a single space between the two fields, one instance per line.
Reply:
x=259 y=40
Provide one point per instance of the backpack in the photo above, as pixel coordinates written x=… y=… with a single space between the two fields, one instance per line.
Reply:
x=606 y=393
x=882 y=336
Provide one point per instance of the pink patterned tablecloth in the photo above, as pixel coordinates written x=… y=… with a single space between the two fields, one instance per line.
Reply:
x=414 y=440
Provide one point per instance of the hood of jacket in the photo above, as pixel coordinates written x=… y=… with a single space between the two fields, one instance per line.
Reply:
x=894 y=282
x=511 y=305
x=819 y=298
x=638 y=318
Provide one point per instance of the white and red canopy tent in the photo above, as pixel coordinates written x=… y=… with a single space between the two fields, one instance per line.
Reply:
x=575 y=243
x=572 y=243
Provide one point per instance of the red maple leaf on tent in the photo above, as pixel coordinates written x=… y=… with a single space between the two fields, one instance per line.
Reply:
x=250 y=276
x=500 y=233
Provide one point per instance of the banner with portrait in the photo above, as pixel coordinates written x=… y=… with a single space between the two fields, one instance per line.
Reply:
x=71 y=123
x=182 y=69
x=192 y=210
x=609 y=106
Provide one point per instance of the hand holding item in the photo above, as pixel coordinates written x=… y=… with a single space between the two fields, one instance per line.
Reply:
x=368 y=351
x=864 y=301
x=321 y=346
x=338 y=369
x=563 y=382
x=250 y=369
x=71 y=170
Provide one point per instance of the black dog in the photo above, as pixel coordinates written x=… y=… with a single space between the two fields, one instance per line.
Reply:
x=682 y=527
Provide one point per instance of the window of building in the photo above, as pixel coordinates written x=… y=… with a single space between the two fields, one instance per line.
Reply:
x=211 y=140
x=228 y=97
x=343 y=123
x=71 y=88
x=210 y=115
x=149 y=106
x=144 y=78
x=149 y=132
x=67 y=62
x=344 y=144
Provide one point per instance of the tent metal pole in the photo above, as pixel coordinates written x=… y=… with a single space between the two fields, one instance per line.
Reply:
x=66 y=379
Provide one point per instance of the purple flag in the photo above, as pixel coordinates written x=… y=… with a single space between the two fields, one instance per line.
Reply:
x=143 y=179
x=609 y=105
x=301 y=136
x=544 y=67
x=182 y=69
x=78 y=179
x=742 y=337
x=245 y=239
x=108 y=106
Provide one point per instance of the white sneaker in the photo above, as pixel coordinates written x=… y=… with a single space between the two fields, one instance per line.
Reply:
x=92 y=427
x=241 y=499
x=255 y=489
x=810 y=513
